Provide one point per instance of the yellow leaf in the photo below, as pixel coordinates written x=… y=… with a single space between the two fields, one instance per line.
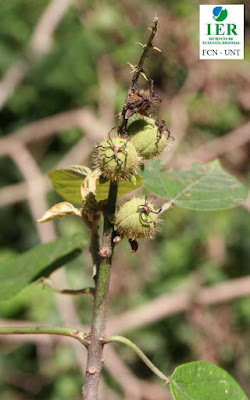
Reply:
x=60 y=210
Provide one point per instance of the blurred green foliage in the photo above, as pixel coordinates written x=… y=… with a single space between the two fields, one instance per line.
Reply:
x=66 y=78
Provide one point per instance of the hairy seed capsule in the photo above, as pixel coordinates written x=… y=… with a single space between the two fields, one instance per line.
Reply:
x=117 y=158
x=134 y=223
x=146 y=138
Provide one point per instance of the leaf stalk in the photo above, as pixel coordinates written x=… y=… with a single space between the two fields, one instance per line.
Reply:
x=139 y=352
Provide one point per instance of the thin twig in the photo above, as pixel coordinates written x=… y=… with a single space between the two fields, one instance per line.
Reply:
x=138 y=69
x=15 y=193
x=39 y=44
x=41 y=330
x=107 y=91
x=41 y=40
x=12 y=78
x=167 y=305
x=50 y=126
x=175 y=303
x=217 y=147
x=35 y=191
x=170 y=304
x=139 y=66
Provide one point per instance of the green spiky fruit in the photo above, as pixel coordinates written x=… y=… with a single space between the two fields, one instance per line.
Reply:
x=132 y=223
x=146 y=138
x=117 y=158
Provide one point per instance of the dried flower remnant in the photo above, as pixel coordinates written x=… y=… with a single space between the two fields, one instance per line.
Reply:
x=142 y=101
x=162 y=128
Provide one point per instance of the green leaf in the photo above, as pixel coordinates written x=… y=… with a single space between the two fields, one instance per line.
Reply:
x=201 y=380
x=67 y=182
x=17 y=272
x=203 y=187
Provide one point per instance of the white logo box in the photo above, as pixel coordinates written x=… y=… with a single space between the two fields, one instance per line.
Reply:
x=222 y=32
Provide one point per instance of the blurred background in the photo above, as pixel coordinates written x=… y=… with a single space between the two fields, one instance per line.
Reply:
x=63 y=79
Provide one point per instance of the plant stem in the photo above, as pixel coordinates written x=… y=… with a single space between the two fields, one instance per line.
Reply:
x=147 y=46
x=138 y=70
x=139 y=352
x=102 y=261
x=40 y=330
x=103 y=270
x=95 y=248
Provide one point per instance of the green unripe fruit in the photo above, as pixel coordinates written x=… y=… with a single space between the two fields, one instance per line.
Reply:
x=137 y=219
x=117 y=158
x=146 y=137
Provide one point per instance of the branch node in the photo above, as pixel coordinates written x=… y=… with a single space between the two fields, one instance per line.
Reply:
x=167 y=381
x=105 y=253
x=133 y=67
x=103 y=338
x=92 y=370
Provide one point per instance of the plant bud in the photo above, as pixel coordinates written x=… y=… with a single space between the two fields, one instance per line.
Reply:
x=90 y=210
x=137 y=219
x=146 y=138
x=117 y=158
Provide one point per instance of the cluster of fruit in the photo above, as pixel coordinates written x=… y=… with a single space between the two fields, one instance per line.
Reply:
x=119 y=157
